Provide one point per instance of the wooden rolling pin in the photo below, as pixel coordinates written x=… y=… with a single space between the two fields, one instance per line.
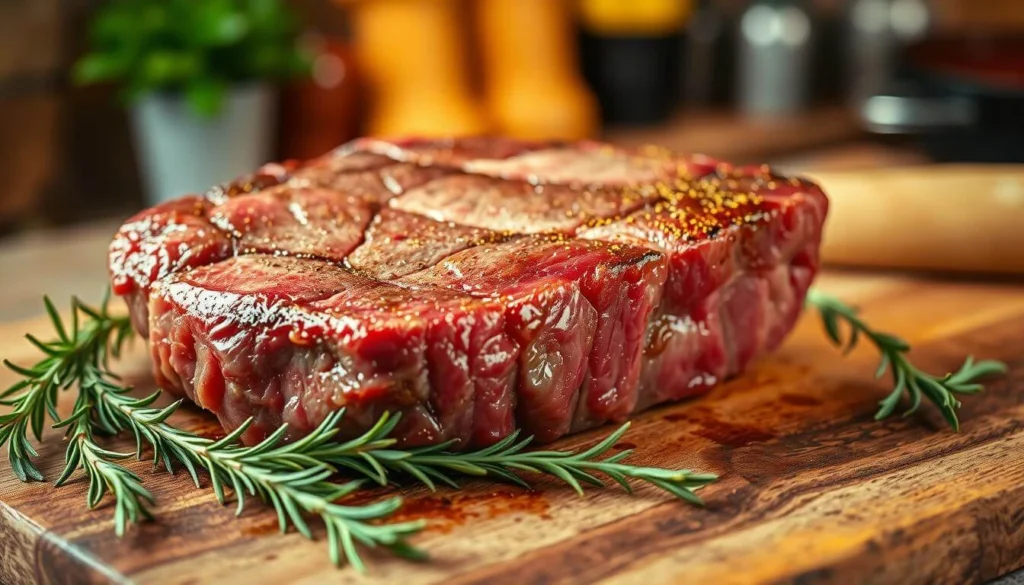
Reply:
x=952 y=218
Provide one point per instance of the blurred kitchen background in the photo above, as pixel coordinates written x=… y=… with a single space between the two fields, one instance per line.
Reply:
x=776 y=80
x=105 y=106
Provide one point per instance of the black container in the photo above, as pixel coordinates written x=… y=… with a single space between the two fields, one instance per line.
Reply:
x=708 y=56
x=962 y=99
x=636 y=78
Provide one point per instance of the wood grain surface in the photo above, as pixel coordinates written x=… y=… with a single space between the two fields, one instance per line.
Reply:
x=812 y=489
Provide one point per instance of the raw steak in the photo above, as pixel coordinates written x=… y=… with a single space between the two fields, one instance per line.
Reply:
x=475 y=285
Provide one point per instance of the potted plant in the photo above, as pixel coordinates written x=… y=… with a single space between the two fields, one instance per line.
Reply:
x=198 y=76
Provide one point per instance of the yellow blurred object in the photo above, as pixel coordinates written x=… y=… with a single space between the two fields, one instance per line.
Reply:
x=411 y=53
x=634 y=17
x=533 y=86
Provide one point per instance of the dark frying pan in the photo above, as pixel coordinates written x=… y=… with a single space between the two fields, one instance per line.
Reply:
x=962 y=98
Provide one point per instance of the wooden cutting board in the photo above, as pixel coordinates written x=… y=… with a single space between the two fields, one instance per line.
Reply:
x=812 y=489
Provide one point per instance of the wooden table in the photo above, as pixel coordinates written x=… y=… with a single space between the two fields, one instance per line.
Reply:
x=55 y=263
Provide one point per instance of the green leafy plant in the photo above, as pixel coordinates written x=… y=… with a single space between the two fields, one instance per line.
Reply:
x=198 y=48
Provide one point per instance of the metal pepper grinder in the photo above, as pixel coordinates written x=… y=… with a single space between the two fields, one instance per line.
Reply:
x=775 y=41
x=876 y=31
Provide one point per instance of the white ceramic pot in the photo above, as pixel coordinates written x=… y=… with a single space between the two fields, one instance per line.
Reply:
x=181 y=152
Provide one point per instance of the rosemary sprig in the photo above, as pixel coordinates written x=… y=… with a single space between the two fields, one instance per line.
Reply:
x=277 y=473
x=294 y=478
x=907 y=379
x=282 y=475
x=268 y=469
x=371 y=456
x=34 y=397
x=131 y=499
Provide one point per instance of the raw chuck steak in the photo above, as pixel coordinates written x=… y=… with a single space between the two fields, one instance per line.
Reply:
x=475 y=286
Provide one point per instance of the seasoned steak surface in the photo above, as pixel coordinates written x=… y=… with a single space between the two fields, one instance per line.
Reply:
x=474 y=285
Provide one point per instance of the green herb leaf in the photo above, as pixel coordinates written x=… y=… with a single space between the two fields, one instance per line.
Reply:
x=267 y=470
x=170 y=69
x=217 y=23
x=98 y=68
x=205 y=96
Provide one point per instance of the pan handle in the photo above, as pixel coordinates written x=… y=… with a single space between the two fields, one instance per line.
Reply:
x=906 y=110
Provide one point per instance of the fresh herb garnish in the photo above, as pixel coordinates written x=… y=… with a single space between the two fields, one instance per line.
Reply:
x=907 y=379
x=131 y=498
x=284 y=476
x=506 y=460
x=294 y=478
x=70 y=359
